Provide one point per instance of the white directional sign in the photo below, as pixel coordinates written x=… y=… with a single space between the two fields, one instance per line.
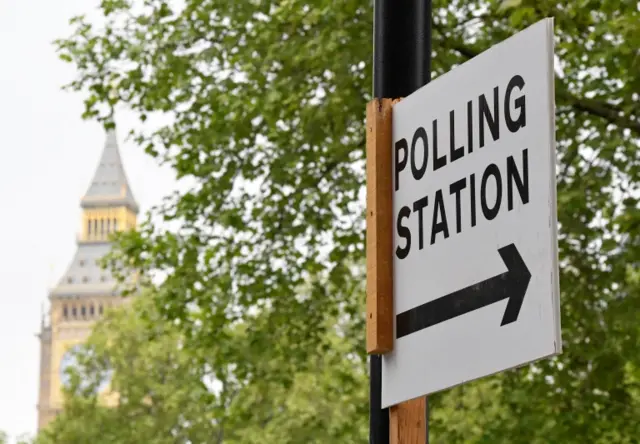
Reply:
x=475 y=250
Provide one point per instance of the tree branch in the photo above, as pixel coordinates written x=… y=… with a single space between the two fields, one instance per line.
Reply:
x=606 y=111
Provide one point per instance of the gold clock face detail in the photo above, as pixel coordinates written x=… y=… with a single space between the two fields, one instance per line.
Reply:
x=70 y=360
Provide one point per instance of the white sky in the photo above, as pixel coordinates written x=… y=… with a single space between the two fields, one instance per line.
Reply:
x=48 y=157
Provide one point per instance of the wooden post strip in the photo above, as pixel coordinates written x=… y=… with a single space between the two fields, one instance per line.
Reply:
x=408 y=422
x=379 y=228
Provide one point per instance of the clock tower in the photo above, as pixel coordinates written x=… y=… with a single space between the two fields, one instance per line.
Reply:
x=85 y=289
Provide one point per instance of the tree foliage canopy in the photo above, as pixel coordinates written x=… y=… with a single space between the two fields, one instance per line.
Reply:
x=167 y=392
x=266 y=107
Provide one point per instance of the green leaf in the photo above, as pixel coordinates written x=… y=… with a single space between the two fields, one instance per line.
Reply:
x=508 y=4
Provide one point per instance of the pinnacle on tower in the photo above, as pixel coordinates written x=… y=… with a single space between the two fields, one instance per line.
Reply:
x=108 y=206
x=109 y=186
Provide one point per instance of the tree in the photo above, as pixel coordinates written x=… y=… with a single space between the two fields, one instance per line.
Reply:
x=167 y=393
x=25 y=439
x=154 y=380
x=266 y=105
x=22 y=439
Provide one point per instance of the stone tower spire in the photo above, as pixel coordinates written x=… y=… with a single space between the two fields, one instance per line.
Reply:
x=108 y=206
x=85 y=289
x=110 y=186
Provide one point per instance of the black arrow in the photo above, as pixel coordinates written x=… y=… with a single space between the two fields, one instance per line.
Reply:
x=511 y=285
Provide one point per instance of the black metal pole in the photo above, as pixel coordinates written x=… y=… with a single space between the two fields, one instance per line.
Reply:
x=402 y=47
x=378 y=417
x=401 y=65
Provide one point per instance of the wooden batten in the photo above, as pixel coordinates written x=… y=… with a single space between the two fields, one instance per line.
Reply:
x=379 y=227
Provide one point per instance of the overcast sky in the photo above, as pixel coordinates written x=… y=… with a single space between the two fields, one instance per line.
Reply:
x=48 y=157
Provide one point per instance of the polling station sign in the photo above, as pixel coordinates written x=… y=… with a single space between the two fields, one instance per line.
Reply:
x=474 y=214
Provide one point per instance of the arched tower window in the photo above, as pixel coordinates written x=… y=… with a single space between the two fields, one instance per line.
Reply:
x=101 y=226
x=92 y=310
x=100 y=310
x=108 y=225
x=74 y=312
x=83 y=310
x=89 y=227
x=95 y=226
x=115 y=224
x=65 y=311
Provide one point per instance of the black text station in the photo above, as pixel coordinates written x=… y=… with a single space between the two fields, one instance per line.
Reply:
x=414 y=157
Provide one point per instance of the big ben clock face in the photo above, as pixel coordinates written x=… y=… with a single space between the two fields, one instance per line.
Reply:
x=69 y=360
